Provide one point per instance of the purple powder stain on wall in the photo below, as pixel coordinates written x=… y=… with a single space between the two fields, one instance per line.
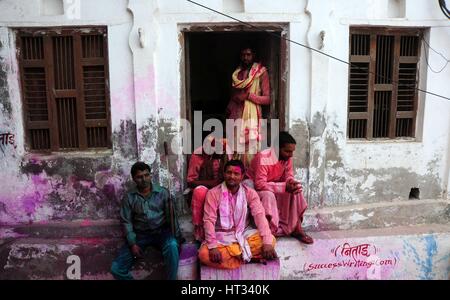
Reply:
x=37 y=180
x=109 y=190
x=30 y=202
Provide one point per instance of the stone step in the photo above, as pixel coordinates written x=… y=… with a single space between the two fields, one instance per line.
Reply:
x=78 y=228
x=66 y=229
x=404 y=252
x=365 y=216
x=35 y=258
x=377 y=215
x=251 y=271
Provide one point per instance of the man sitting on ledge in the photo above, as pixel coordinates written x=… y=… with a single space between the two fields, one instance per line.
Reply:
x=205 y=171
x=229 y=238
x=272 y=175
x=147 y=221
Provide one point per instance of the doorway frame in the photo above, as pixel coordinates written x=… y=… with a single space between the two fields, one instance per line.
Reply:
x=283 y=87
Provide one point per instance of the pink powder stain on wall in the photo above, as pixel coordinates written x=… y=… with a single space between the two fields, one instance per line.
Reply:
x=86 y=223
x=124 y=100
x=86 y=241
x=38 y=180
x=144 y=86
x=167 y=100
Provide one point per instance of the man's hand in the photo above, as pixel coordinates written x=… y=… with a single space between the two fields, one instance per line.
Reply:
x=215 y=256
x=293 y=186
x=137 y=251
x=268 y=252
x=289 y=187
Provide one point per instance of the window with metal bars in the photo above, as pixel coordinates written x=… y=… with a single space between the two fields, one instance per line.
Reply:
x=383 y=77
x=65 y=93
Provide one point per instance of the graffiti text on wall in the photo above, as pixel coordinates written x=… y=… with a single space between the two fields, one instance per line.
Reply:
x=353 y=252
x=6 y=139
x=357 y=256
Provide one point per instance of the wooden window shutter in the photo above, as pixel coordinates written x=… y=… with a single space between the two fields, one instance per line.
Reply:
x=65 y=88
x=383 y=86
x=35 y=91
x=359 y=81
x=407 y=81
x=94 y=78
x=382 y=101
x=66 y=101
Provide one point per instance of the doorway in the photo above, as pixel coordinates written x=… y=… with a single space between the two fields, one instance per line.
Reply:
x=211 y=56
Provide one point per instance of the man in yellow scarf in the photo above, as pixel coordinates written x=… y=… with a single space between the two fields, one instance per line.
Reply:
x=250 y=90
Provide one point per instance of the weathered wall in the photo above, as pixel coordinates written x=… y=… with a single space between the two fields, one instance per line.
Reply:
x=147 y=100
x=66 y=186
x=400 y=255
x=337 y=171
x=343 y=171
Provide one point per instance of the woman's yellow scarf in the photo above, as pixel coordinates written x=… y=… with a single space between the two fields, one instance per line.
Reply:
x=250 y=126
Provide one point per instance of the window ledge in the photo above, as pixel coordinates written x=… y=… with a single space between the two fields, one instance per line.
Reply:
x=384 y=141
x=71 y=154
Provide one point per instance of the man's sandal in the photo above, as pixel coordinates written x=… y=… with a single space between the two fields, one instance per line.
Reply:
x=303 y=237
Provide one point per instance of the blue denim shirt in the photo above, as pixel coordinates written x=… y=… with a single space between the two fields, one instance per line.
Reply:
x=146 y=215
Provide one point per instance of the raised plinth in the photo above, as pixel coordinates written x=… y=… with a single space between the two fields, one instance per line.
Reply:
x=251 y=271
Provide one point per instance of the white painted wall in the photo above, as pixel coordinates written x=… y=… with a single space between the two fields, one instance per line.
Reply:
x=426 y=155
x=319 y=85
x=22 y=190
x=397 y=256
x=113 y=14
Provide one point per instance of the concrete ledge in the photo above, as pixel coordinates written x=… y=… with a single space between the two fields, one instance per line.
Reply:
x=408 y=252
x=250 y=271
x=40 y=251
x=33 y=258
x=78 y=228
x=70 y=229
x=378 y=215
x=405 y=252
x=364 y=216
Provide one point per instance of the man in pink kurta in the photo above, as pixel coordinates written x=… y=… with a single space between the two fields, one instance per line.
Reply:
x=230 y=239
x=281 y=195
x=205 y=171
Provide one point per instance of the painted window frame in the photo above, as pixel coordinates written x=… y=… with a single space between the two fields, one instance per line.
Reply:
x=91 y=133
x=393 y=130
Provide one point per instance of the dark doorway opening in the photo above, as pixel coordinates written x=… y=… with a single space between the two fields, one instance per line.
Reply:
x=211 y=58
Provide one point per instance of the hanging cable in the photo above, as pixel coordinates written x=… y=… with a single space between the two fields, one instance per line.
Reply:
x=444 y=8
x=426 y=55
x=318 y=51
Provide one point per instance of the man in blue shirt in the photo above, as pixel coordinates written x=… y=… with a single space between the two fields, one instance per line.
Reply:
x=146 y=219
